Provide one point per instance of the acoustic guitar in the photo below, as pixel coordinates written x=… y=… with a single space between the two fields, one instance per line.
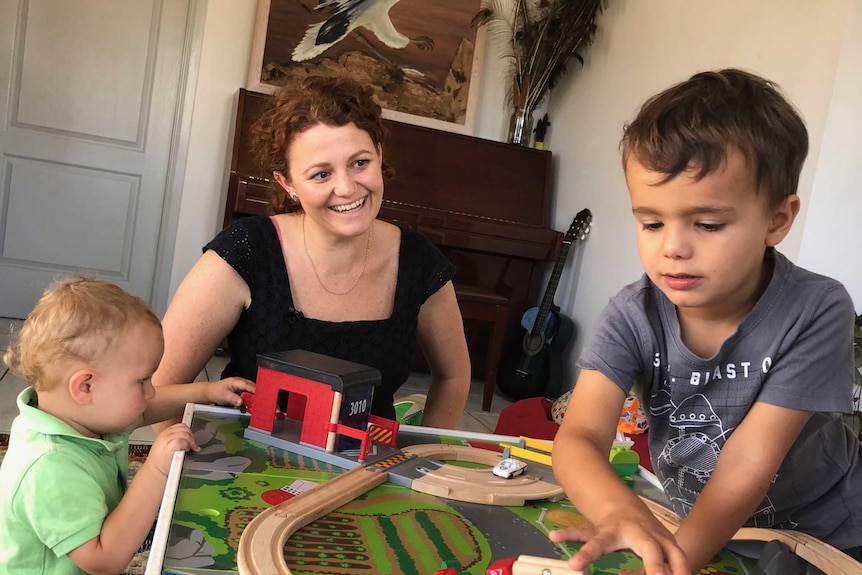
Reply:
x=535 y=367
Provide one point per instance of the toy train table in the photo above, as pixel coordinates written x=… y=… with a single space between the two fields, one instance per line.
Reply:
x=323 y=488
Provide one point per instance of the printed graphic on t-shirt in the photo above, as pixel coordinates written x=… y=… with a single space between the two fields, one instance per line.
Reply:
x=696 y=431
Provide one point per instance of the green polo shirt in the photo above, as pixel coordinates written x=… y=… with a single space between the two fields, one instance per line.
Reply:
x=56 y=489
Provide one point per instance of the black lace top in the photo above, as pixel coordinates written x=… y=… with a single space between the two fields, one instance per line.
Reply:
x=251 y=246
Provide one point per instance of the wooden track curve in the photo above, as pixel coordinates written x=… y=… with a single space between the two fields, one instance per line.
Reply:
x=477 y=485
x=261 y=546
x=822 y=555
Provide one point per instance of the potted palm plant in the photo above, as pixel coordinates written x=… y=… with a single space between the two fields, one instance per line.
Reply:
x=538 y=38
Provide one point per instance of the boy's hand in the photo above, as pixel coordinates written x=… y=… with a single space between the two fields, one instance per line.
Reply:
x=228 y=391
x=177 y=437
x=628 y=529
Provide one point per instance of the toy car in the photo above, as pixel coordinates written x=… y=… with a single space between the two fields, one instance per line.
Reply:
x=247 y=402
x=509 y=468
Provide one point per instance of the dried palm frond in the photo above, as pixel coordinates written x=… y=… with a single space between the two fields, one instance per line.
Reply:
x=539 y=37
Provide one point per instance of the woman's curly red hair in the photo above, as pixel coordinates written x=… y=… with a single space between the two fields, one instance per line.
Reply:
x=333 y=101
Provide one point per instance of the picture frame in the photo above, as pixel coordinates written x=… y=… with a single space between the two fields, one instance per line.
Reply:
x=432 y=81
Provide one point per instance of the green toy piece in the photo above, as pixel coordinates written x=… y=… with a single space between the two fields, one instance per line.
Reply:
x=409 y=410
x=624 y=460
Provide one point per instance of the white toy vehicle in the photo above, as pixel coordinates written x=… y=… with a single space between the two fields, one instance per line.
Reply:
x=509 y=468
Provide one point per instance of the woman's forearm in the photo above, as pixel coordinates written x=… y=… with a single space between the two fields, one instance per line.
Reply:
x=445 y=402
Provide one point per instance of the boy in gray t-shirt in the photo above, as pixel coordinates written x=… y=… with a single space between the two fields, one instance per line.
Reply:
x=742 y=360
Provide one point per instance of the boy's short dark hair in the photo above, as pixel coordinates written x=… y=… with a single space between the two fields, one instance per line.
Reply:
x=693 y=125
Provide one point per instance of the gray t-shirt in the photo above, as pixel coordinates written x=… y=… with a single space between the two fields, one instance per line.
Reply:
x=793 y=350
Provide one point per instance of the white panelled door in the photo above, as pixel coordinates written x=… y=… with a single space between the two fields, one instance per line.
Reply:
x=89 y=92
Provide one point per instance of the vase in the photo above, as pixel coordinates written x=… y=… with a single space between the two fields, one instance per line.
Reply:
x=521 y=126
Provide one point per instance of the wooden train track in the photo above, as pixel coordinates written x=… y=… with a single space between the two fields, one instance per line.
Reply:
x=261 y=546
x=822 y=555
x=477 y=485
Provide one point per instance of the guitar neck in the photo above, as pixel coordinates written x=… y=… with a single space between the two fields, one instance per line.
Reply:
x=550 y=291
x=578 y=230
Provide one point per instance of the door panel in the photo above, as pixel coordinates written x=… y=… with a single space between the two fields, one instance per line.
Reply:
x=88 y=96
x=87 y=226
x=100 y=89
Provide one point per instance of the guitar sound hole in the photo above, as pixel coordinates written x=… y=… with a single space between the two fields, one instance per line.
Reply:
x=534 y=344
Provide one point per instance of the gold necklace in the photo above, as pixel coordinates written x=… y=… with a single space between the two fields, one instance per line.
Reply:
x=314 y=268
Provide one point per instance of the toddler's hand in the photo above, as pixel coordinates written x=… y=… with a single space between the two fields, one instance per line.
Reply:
x=627 y=529
x=227 y=391
x=177 y=437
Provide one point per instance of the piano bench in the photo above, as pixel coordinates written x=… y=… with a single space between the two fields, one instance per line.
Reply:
x=483 y=305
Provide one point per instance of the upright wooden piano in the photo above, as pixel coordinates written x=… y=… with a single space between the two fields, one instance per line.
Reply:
x=483 y=203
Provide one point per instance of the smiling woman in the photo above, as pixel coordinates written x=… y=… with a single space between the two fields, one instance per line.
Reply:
x=323 y=273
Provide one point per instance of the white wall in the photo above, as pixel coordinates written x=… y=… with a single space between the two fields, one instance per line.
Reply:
x=812 y=49
x=223 y=68
x=831 y=239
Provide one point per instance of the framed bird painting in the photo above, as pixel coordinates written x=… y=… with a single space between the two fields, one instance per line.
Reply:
x=422 y=58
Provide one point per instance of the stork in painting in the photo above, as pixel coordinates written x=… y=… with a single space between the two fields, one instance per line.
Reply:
x=348 y=15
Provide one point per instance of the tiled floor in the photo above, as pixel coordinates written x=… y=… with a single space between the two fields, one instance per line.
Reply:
x=473 y=418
